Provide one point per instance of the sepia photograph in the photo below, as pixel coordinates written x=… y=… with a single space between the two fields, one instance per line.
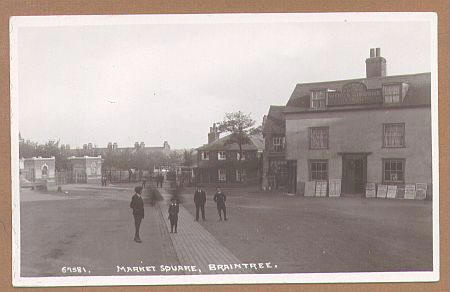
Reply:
x=224 y=148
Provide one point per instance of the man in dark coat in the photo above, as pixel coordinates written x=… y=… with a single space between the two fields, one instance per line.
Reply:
x=137 y=204
x=174 y=209
x=199 y=200
x=220 y=200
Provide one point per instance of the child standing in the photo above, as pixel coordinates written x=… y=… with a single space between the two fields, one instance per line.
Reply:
x=174 y=208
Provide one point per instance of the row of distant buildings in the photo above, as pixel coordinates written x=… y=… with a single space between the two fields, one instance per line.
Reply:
x=84 y=165
x=91 y=149
x=367 y=131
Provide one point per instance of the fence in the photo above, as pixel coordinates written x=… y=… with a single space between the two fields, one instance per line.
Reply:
x=120 y=176
x=70 y=177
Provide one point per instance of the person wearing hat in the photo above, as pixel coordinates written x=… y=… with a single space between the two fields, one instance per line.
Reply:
x=137 y=204
x=220 y=200
x=199 y=200
x=174 y=208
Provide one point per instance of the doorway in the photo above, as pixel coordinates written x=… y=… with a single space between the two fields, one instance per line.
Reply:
x=354 y=173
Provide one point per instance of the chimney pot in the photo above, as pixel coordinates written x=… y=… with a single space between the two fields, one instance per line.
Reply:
x=377 y=52
x=372 y=53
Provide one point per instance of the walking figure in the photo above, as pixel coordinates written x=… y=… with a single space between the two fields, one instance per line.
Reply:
x=159 y=180
x=220 y=200
x=137 y=204
x=174 y=208
x=199 y=200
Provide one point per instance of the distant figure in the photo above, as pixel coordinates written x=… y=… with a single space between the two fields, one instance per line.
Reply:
x=159 y=180
x=162 y=180
x=199 y=200
x=140 y=174
x=137 y=204
x=104 y=180
x=220 y=200
x=110 y=176
x=174 y=208
x=143 y=183
x=129 y=175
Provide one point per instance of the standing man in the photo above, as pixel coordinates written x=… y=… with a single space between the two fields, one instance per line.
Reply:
x=174 y=209
x=220 y=199
x=199 y=200
x=158 y=180
x=137 y=204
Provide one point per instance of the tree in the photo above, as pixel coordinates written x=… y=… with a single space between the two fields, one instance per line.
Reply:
x=188 y=157
x=27 y=149
x=174 y=158
x=240 y=127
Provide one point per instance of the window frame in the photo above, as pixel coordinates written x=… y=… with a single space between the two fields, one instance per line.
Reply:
x=314 y=98
x=383 y=170
x=220 y=156
x=204 y=155
x=218 y=174
x=384 y=135
x=244 y=155
x=327 y=128
x=280 y=145
x=399 y=86
x=321 y=161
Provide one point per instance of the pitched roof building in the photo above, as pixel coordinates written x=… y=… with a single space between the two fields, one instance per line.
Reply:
x=275 y=167
x=345 y=135
x=218 y=161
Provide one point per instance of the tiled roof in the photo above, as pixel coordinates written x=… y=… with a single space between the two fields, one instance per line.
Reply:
x=257 y=143
x=418 y=92
x=274 y=122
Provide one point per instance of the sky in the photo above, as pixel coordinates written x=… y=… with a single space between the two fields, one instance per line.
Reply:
x=170 y=82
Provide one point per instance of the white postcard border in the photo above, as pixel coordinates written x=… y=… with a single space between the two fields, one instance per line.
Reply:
x=25 y=21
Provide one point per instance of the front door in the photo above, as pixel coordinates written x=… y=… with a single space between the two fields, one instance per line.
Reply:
x=354 y=173
x=292 y=177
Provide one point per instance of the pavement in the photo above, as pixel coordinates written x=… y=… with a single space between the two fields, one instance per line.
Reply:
x=194 y=245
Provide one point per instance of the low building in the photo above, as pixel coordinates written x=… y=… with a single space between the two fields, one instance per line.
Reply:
x=38 y=169
x=85 y=169
x=218 y=161
x=367 y=131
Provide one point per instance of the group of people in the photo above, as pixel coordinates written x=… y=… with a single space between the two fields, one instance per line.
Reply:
x=137 y=204
x=200 y=201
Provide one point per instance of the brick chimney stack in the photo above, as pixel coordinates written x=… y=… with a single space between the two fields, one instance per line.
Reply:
x=213 y=134
x=375 y=65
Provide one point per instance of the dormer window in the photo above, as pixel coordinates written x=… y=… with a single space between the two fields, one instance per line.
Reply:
x=318 y=99
x=392 y=93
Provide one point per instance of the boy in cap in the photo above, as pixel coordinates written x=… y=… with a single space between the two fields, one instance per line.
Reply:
x=174 y=208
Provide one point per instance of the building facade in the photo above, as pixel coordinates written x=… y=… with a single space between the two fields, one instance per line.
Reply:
x=85 y=169
x=37 y=169
x=368 y=131
x=218 y=161
x=276 y=173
